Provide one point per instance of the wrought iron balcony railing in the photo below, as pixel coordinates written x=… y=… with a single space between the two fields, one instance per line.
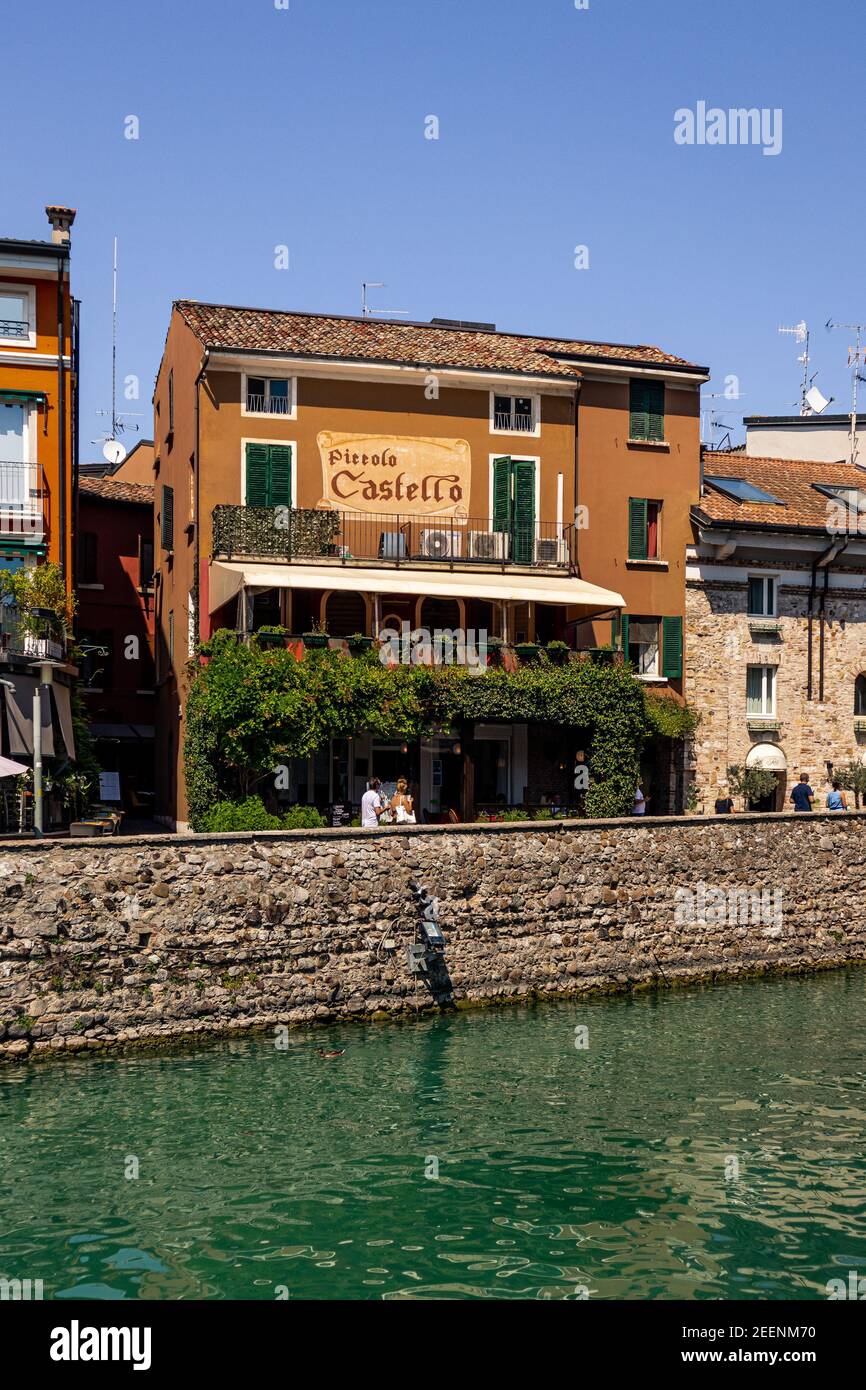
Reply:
x=23 y=500
x=516 y=422
x=363 y=537
x=14 y=328
x=37 y=639
x=268 y=405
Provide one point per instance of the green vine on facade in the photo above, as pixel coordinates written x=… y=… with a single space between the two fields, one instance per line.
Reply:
x=252 y=708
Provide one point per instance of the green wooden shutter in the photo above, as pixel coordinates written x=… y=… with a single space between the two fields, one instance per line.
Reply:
x=637 y=427
x=502 y=494
x=624 y=631
x=637 y=528
x=524 y=511
x=672 y=647
x=258 y=476
x=614 y=631
x=654 y=395
x=167 y=517
x=280 y=492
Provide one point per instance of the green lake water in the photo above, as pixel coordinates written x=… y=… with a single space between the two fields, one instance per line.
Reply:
x=608 y=1168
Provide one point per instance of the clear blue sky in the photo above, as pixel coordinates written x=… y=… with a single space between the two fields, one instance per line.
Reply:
x=305 y=127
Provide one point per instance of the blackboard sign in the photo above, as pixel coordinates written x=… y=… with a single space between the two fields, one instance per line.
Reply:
x=340 y=814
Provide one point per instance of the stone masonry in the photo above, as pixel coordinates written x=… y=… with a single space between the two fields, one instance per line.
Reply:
x=721 y=644
x=118 y=942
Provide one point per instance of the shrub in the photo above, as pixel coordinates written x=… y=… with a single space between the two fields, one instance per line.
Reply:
x=303 y=818
x=240 y=815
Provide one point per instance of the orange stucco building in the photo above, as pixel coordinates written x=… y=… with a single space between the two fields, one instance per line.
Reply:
x=356 y=475
x=38 y=398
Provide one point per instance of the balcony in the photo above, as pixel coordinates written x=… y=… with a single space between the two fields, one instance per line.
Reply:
x=513 y=421
x=347 y=538
x=23 y=501
x=38 y=640
x=257 y=404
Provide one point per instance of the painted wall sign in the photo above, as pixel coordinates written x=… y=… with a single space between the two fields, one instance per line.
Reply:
x=398 y=475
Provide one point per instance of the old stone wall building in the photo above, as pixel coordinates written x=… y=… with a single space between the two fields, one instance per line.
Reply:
x=776 y=620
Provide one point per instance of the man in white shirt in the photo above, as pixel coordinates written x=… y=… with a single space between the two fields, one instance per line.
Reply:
x=371 y=805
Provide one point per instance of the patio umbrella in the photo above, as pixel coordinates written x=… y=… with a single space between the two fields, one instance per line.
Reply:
x=10 y=769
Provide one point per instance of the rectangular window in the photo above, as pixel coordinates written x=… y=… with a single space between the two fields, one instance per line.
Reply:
x=268 y=475
x=515 y=414
x=641 y=642
x=167 y=517
x=761 y=690
x=17 y=315
x=145 y=563
x=643 y=528
x=269 y=395
x=87 y=558
x=647 y=410
x=514 y=505
x=762 y=596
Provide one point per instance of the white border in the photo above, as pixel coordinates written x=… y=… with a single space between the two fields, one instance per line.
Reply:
x=28 y=292
x=535 y=432
x=267 y=414
x=287 y=444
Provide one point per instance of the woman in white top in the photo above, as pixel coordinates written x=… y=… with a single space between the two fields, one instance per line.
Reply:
x=402 y=804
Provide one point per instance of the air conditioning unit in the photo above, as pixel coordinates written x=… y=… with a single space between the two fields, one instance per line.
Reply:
x=439 y=545
x=551 y=552
x=392 y=545
x=488 y=545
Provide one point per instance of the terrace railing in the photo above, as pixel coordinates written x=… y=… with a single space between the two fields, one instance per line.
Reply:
x=351 y=537
x=23 y=500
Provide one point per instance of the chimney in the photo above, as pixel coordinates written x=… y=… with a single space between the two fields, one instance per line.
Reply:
x=61 y=220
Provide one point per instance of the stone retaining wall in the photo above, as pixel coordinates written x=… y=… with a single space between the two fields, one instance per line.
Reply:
x=139 y=940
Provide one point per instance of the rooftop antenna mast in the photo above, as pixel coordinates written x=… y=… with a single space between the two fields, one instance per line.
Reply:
x=112 y=448
x=855 y=362
x=367 y=311
x=712 y=421
x=800 y=334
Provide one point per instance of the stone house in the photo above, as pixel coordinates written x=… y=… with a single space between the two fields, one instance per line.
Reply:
x=776 y=621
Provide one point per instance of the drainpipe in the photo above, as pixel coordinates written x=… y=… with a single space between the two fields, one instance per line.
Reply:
x=809 y=629
x=62 y=264
x=823 y=561
x=74 y=388
x=197 y=497
x=575 y=565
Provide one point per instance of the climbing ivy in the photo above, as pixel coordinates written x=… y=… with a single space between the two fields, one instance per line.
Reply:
x=251 y=708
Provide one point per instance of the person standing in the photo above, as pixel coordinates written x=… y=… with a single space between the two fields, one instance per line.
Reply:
x=724 y=802
x=802 y=796
x=836 y=799
x=372 y=808
x=640 y=801
x=402 y=803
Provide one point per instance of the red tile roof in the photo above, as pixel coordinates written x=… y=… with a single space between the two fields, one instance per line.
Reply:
x=791 y=480
x=222 y=326
x=111 y=490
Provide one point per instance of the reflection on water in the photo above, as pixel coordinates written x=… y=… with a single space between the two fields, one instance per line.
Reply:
x=562 y=1172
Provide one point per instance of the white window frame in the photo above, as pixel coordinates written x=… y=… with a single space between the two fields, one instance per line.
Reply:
x=30 y=434
x=535 y=432
x=764 y=579
x=767 y=681
x=291 y=414
x=286 y=444
x=655 y=674
x=27 y=292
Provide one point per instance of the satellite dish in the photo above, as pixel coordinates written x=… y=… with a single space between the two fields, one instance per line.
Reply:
x=114 y=451
x=816 y=401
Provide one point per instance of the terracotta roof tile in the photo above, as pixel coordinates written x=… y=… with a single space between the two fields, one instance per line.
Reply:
x=111 y=490
x=791 y=480
x=222 y=326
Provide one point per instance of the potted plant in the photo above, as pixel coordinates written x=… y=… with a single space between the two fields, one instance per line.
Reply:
x=271 y=636
x=316 y=639
x=558 y=652
x=357 y=642
x=527 y=651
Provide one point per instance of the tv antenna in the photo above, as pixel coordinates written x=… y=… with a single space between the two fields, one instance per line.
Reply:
x=855 y=362
x=712 y=420
x=113 y=450
x=367 y=311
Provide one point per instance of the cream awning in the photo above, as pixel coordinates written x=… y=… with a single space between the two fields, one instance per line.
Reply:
x=228 y=577
x=768 y=756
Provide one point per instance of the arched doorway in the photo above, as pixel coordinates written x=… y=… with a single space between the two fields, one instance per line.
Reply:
x=344 y=612
x=860 y=696
x=769 y=757
x=444 y=613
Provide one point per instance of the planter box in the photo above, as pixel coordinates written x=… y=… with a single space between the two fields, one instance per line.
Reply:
x=527 y=651
x=316 y=641
x=271 y=639
x=763 y=725
x=765 y=627
x=359 y=644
